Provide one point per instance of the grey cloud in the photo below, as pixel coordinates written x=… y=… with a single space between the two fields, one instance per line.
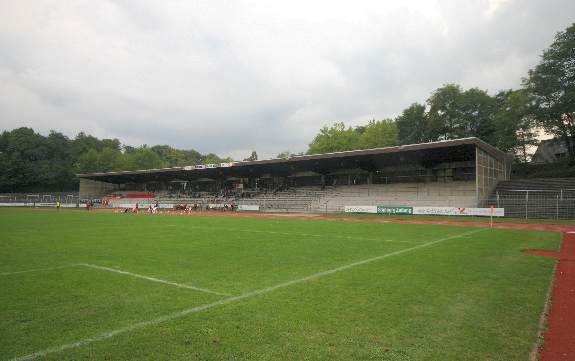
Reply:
x=229 y=77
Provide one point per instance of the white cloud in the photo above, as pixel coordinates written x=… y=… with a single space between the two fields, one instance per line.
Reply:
x=229 y=77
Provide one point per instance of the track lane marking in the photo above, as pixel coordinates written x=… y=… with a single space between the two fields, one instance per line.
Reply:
x=225 y=301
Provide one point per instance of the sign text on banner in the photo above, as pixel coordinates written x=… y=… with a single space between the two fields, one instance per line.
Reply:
x=394 y=210
x=459 y=211
x=360 y=209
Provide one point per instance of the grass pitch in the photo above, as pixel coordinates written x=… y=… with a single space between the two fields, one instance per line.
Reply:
x=98 y=286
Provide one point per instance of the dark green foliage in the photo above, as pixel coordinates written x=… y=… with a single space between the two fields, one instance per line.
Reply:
x=413 y=125
x=252 y=157
x=337 y=138
x=454 y=113
x=444 y=112
x=28 y=159
x=31 y=161
x=552 y=85
x=378 y=134
x=543 y=170
x=284 y=155
x=514 y=125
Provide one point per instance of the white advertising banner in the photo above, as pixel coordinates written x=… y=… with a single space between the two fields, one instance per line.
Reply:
x=45 y=204
x=459 y=211
x=143 y=206
x=248 y=207
x=360 y=209
x=62 y=205
x=130 y=205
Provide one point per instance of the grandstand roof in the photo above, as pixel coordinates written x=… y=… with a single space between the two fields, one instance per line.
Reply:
x=448 y=150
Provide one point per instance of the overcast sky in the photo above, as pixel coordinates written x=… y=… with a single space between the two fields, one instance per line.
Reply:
x=231 y=76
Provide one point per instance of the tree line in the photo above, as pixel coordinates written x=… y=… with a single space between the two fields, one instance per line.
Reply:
x=508 y=120
x=31 y=161
x=450 y=112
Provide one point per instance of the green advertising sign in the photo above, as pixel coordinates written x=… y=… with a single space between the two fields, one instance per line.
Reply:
x=394 y=210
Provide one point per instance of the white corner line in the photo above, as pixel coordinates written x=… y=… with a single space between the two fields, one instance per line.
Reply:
x=153 y=279
x=225 y=301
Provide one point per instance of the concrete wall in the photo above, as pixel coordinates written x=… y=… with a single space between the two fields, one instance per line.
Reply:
x=433 y=194
x=489 y=171
x=95 y=189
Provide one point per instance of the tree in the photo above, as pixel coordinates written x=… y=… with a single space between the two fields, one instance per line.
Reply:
x=211 y=158
x=284 y=155
x=143 y=158
x=88 y=162
x=336 y=138
x=31 y=161
x=171 y=156
x=552 y=85
x=476 y=115
x=514 y=125
x=252 y=157
x=377 y=134
x=110 y=159
x=24 y=159
x=84 y=142
x=444 y=112
x=454 y=113
x=59 y=163
x=412 y=125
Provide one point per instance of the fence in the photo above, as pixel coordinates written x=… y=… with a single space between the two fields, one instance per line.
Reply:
x=63 y=197
x=530 y=203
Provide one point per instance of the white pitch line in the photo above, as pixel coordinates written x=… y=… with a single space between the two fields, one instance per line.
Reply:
x=297 y=234
x=38 y=270
x=225 y=301
x=153 y=279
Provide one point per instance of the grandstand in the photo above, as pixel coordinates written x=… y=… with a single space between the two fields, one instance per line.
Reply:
x=451 y=173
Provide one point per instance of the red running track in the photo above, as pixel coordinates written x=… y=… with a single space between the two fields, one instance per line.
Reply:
x=559 y=342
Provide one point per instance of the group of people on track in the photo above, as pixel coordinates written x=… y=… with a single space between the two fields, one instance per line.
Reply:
x=185 y=208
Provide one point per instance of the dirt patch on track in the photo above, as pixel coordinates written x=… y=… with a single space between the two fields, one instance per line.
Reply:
x=559 y=342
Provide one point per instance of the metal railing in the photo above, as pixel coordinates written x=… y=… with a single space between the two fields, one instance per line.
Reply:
x=534 y=203
x=63 y=197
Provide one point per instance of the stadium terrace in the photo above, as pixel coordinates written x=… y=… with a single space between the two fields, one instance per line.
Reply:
x=457 y=173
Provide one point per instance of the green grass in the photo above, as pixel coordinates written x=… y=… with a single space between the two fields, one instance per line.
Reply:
x=456 y=218
x=474 y=297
